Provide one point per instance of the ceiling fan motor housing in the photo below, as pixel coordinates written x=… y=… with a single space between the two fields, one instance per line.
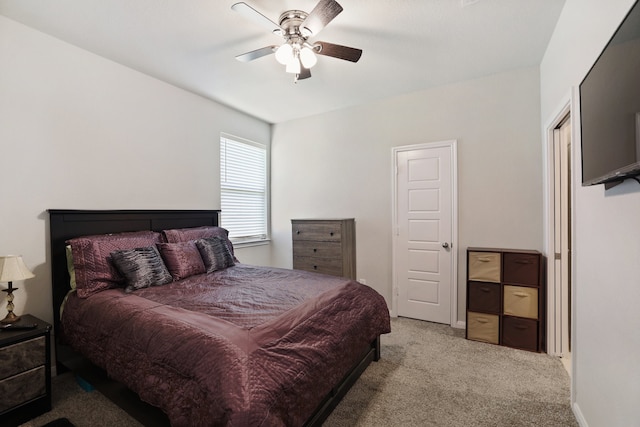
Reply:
x=290 y=22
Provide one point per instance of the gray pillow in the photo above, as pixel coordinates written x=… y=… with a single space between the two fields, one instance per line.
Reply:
x=215 y=253
x=141 y=267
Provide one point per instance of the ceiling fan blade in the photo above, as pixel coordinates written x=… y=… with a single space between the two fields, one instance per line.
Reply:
x=305 y=73
x=258 y=53
x=337 y=51
x=321 y=15
x=255 y=16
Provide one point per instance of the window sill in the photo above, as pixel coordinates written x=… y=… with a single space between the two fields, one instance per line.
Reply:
x=249 y=243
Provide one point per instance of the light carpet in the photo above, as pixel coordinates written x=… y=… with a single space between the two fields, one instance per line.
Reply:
x=429 y=375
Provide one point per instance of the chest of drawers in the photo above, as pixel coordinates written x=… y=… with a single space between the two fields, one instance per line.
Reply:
x=25 y=372
x=325 y=246
x=506 y=297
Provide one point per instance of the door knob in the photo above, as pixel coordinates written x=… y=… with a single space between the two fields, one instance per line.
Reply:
x=445 y=245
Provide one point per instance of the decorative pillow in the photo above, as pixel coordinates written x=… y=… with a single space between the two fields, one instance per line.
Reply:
x=215 y=253
x=185 y=234
x=182 y=259
x=141 y=267
x=93 y=267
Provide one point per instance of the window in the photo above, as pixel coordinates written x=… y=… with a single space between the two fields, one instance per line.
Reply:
x=243 y=189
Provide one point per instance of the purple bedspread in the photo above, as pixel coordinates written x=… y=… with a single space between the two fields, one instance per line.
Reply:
x=245 y=346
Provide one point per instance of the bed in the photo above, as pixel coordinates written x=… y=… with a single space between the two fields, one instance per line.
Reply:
x=239 y=345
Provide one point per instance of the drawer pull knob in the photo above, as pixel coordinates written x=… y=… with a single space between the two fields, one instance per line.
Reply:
x=315 y=250
x=315 y=267
x=331 y=234
x=521 y=294
x=297 y=231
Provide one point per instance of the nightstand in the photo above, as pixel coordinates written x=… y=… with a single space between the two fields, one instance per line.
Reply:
x=25 y=372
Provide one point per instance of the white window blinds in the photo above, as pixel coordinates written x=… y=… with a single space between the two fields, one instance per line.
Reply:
x=243 y=189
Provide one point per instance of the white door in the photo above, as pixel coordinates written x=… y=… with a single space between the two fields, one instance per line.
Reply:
x=562 y=235
x=424 y=229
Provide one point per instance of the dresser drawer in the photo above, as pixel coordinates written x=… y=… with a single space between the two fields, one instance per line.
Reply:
x=521 y=269
x=483 y=327
x=317 y=249
x=484 y=297
x=521 y=301
x=329 y=231
x=484 y=266
x=332 y=266
x=520 y=333
x=22 y=388
x=22 y=356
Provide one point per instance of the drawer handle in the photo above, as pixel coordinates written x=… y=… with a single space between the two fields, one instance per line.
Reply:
x=521 y=327
x=484 y=259
x=487 y=290
x=482 y=320
x=521 y=294
x=522 y=261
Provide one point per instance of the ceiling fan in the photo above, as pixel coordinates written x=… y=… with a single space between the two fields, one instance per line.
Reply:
x=297 y=53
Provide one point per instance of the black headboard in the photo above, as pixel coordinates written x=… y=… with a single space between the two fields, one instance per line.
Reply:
x=66 y=224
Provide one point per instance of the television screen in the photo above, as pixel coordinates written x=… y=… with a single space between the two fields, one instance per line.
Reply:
x=610 y=108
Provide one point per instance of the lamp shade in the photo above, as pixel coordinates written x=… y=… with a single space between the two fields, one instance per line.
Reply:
x=284 y=54
x=307 y=57
x=293 y=66
x=12 y=268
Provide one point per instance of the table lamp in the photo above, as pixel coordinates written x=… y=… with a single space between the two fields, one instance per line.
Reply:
x=12 y=268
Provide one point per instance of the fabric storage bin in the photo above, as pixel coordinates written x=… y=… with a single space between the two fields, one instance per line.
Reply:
x=484 y=297
x=520 y=333
x=484 y=266
x=521 y=268
x=483 y=327
x=521 y=301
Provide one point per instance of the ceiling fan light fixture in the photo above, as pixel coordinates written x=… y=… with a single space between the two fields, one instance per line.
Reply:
x=284 y=54
x=307 y=57
x=294 y=66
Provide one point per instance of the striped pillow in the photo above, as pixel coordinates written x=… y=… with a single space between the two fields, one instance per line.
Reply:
x=141 y=267
x=215 y=253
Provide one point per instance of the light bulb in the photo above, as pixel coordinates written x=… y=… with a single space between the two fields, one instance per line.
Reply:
x=294 y=65
x=307 y=57
x=284 y=54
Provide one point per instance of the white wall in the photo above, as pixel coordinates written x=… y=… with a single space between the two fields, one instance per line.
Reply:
x=606 y=376
x=81 y=132
x=339 y=165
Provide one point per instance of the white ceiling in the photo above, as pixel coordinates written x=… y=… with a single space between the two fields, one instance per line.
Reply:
x=408 y=45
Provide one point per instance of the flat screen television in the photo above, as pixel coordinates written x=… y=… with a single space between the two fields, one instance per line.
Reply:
x=610 y=108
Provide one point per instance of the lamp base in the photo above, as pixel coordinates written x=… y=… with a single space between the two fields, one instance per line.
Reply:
x=10 y=318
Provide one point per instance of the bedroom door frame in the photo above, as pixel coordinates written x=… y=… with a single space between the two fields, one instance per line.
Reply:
x=559 y=322
x=452 y=145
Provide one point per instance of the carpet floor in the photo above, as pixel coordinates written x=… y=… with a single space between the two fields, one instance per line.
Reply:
x=429 y=375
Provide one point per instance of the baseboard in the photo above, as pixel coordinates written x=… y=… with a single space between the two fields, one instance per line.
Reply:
x=460 y=325
x=579 y=417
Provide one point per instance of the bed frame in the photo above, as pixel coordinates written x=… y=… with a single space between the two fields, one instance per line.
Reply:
x=66 y=224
